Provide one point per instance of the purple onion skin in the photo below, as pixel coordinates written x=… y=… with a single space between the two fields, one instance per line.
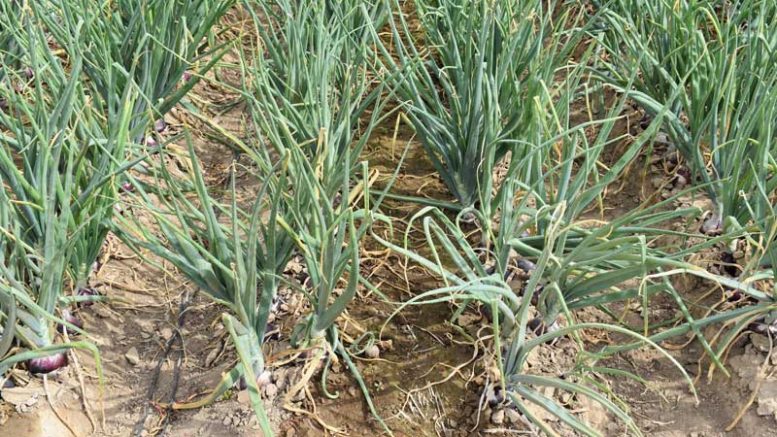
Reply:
x=47 y=364
x=526 y=265
x=127 y=187
x=148 y=141
x=70 y=318
x=763 y=328
x=187 y=76
x=28 y=73
x=160 y=125
x=86 y=291
x=241 y=383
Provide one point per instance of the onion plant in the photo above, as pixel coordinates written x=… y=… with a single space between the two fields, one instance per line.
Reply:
x=328 y=231
x=715 y=66
x=292 y=210
x=58 y=160
x=238 y=260
x=133 y=55
x=542 y=254
x=326 y=235
x=558 y=281
x=473 y=81
x=142 y=44
x=310 y=73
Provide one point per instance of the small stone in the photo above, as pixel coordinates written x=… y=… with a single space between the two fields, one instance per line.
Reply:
x=498 y=417
x=386 y=345
x=227 y=421
x=243 y=397
x=372 y=351
x=760 y=342
x=132 y=356
x=291 y=432
x=166 y=333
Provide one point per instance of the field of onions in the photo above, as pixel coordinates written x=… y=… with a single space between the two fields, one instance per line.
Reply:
x=388 y=217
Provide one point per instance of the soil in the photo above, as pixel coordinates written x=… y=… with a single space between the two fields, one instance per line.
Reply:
x=160 y=340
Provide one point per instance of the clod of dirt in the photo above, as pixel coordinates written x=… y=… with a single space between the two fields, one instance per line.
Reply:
x=271 y=391
x=243 y=397
x=468 y=319
x=767 y=399
x=24 y=399
x=132 y=356
x=513 y=416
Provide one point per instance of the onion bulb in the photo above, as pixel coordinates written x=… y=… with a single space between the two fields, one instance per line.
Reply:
x=69 y=318
x=86 y=292
x=47 y=364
